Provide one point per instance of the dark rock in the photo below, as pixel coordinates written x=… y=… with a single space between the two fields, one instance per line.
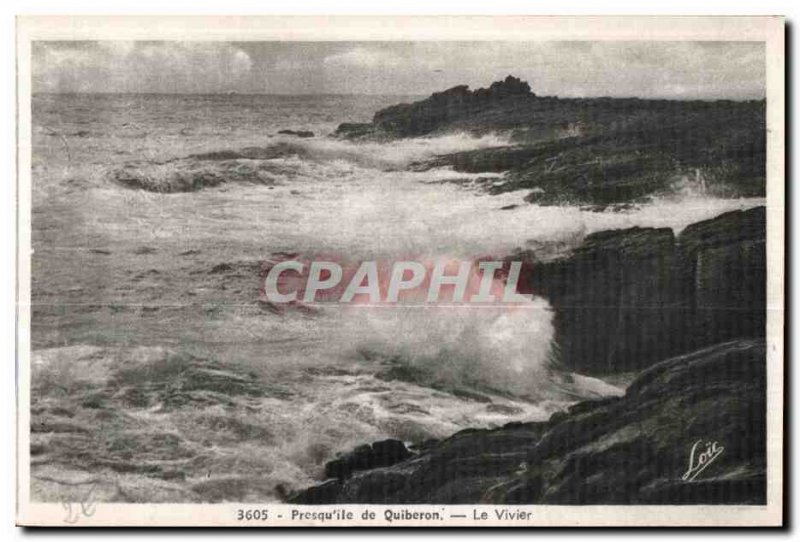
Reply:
x=724 y=230
x=619 y=301
x=726 y=260
x=380 y=454
x=629 y=450
x=623 y=450
x=297 y=133
x=359 y=458
x=324 y=493
x=354 y=130
x=622 y=299
x=599 y=151
x=218 y=155
x=511 y=86
x=388 y=452
x=440 y=110
x=221 y=268
x=503 y=409
x=424 y=446
x=743 y=490
x=628 y=298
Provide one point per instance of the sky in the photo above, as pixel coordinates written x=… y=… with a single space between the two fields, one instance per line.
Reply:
x=676 y=70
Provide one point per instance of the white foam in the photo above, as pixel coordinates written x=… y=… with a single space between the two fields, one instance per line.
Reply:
x=343 y=203
x=396 y=154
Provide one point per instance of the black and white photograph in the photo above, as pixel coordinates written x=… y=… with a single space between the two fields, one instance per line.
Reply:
x=452 y=281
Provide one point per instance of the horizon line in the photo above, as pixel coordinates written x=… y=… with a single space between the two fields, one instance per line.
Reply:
x=306 y=95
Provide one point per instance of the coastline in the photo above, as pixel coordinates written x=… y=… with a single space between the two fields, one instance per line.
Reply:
x=686 y=314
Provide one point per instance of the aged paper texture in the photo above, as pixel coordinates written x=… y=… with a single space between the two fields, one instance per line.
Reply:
x=400 y=271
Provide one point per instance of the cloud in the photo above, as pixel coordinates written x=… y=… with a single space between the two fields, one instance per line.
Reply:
x=117 y=66
x=241 y=63
x=646 y=69
x=361 y=57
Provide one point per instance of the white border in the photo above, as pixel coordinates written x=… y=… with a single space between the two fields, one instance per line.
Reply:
x=474 y=28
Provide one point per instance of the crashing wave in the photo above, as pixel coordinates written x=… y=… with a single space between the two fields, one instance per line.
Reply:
x=285 y=159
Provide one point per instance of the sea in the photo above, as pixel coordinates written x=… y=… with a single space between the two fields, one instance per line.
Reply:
x=122 y=275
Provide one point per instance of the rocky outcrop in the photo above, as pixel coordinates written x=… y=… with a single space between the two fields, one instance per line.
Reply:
x=297 y=133
x=662 y=150
x=354 y=130
x=594 y=151
x=367 y=456
x=626 y=299
x=726 y=260
x=440 y=109
x=630 y=450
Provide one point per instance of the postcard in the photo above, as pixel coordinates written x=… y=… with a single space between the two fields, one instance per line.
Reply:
x=400 y=271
